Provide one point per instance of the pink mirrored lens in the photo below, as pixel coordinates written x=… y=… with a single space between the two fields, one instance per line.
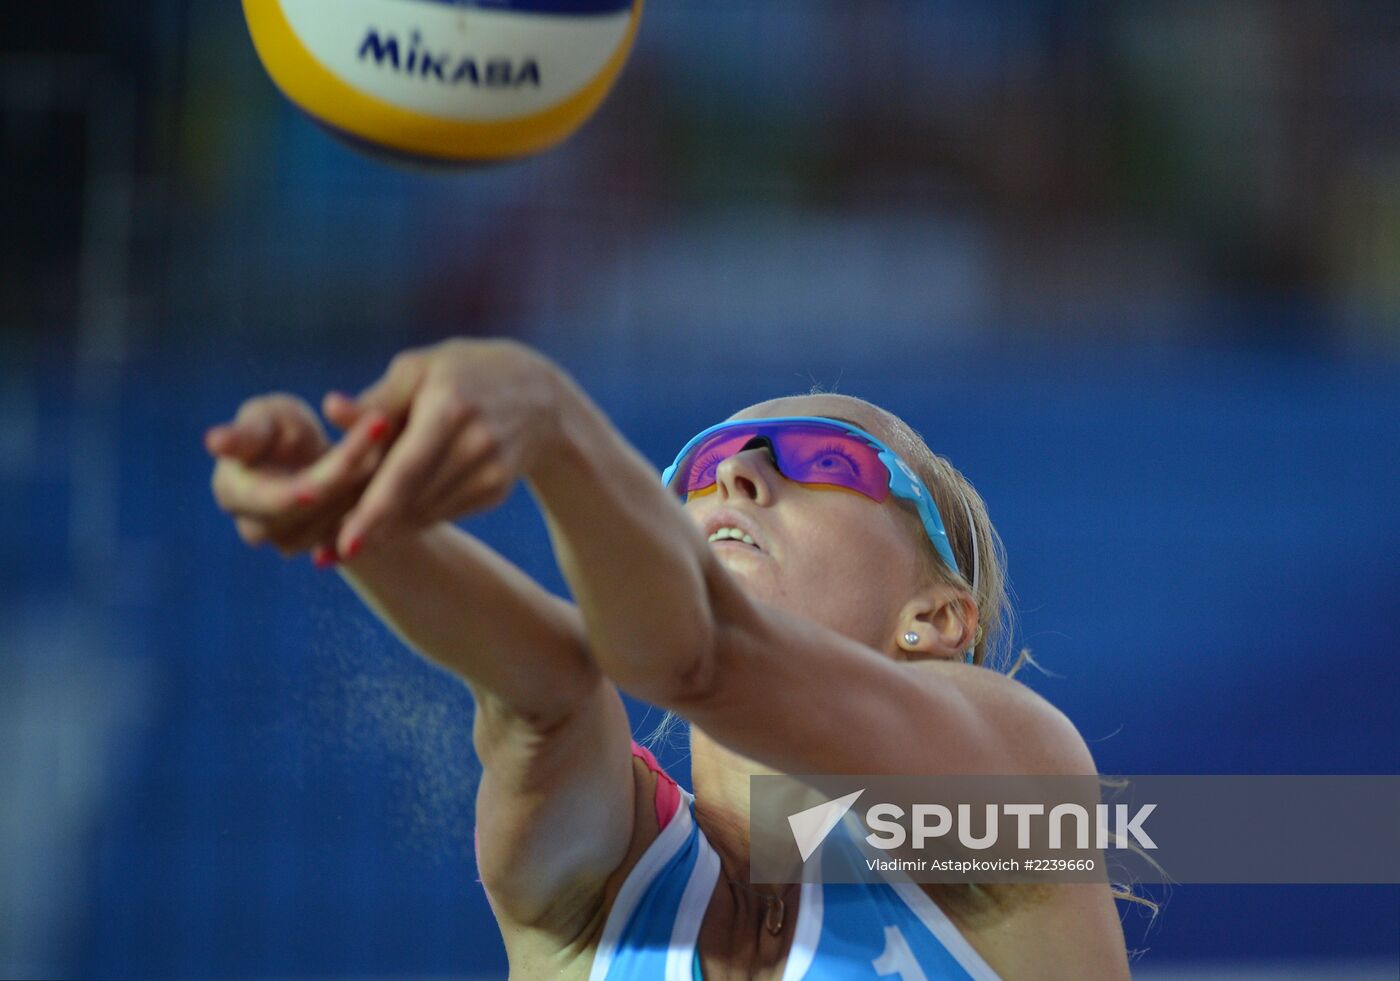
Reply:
x=817 y=455
x=698 y=470
x=807 y=453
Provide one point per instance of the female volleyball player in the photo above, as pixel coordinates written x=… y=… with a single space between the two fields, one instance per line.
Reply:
x=790 y=589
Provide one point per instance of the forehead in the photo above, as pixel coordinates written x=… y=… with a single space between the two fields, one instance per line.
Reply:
x=833 y=406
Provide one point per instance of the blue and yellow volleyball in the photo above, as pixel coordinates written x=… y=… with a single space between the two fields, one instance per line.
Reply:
x=446 y=80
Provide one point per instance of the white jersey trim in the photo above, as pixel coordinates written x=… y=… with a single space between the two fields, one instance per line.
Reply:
x=938 y=924
x=653 y=860
x=695 y=901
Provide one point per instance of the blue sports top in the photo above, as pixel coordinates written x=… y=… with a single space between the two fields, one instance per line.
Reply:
x=845 y=932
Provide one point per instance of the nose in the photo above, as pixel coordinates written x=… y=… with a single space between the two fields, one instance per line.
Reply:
x=750 y=473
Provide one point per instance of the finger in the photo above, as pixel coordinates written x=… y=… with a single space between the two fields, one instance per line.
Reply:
x=297 y=435
x=476 y=449
x=349 y=462
x=247 y=493
x=252 y=531
x=431 y=429
x=341 y=410
x=244 y=439
x=322 y=542
x=300 y=437
x=393 y=393
x=293 y=534
x=485 y=488
x=319 y=526
x=276 y=426
x=295 y=516
x=291 y=547
x=324 y=556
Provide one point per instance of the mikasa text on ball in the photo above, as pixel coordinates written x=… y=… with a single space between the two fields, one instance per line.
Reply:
x=446 y=80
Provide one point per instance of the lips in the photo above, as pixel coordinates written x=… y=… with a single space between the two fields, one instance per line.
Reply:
x=733 y=519
x=731 y=535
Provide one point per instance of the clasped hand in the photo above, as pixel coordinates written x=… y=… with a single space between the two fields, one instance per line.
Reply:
x=446 y=432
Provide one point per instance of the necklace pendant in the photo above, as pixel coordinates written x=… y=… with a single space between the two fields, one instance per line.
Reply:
x=773 y=918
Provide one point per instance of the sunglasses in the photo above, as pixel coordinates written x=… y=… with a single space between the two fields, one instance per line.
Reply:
x=817 y=451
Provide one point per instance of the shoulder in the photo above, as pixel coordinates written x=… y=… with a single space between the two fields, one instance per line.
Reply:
x=1029 y=734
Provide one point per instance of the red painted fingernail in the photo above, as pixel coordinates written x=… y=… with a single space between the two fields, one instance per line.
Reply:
x=353 y=548
x=324 y=557
x=378 y=428
x=306 y=497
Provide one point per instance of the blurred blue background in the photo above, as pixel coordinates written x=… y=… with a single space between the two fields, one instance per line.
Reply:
x=1136 y=271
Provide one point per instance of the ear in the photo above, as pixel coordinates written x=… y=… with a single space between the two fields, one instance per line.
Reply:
x=943 y=619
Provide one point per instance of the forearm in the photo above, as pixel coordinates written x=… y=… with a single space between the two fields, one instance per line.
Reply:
x=460 y=604
x=636 y=566
x=550 y=731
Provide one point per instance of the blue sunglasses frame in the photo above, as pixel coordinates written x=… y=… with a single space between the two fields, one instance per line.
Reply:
x=904 y=483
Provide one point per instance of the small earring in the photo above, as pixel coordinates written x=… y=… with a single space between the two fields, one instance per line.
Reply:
x=911 y=638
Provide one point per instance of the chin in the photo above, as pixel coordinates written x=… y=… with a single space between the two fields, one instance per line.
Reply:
x=756 y=581
x=743 y=563
x=761 y=579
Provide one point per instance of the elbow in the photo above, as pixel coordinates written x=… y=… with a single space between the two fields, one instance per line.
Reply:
x=675 y=673
x=682 y=668
x=725 y=627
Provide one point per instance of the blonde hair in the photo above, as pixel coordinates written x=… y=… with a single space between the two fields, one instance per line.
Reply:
x=976 y=546
x=975 y=543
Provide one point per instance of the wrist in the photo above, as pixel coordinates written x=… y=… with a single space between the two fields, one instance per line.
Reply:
x=557 y=439
x=394 y=552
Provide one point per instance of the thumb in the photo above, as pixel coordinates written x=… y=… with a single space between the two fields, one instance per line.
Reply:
x=393 y=394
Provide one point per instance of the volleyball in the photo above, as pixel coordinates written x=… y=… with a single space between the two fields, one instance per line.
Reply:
x=445 y=80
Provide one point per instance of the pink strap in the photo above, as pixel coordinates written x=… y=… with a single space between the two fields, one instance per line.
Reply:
x=668 y=794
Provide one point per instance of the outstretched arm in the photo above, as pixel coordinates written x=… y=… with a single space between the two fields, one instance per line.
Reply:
x=556 y=803
x=555 y=806
x=460 y=604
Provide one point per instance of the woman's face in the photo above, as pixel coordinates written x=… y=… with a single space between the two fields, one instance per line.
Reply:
x=828 y=554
